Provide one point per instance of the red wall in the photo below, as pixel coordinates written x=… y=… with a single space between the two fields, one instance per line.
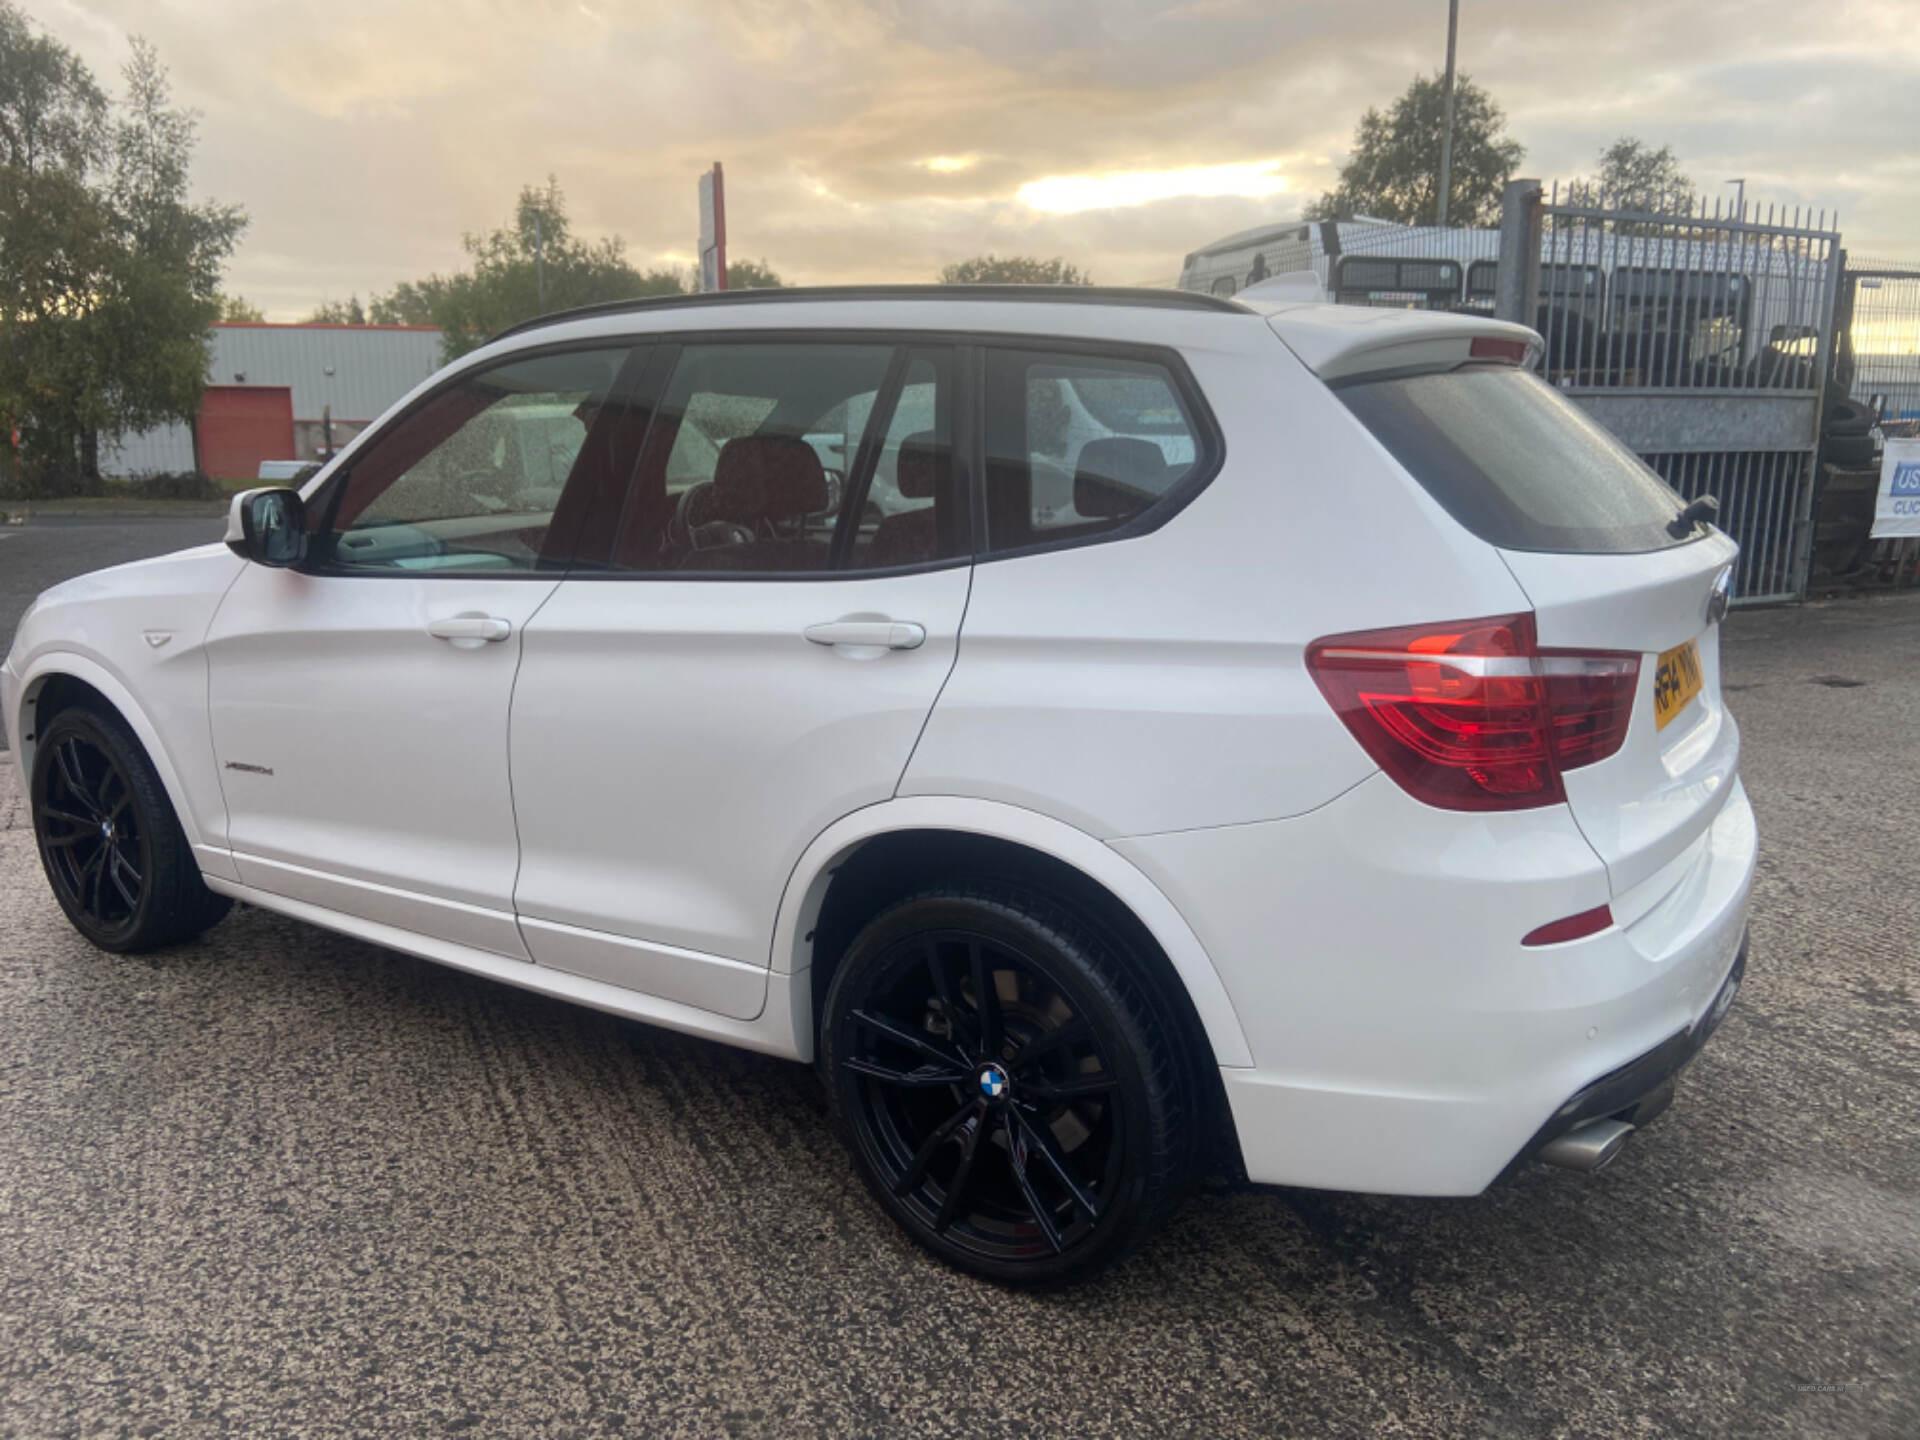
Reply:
x=241 y=425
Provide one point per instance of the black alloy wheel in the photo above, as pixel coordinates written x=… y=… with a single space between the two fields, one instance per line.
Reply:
x=111 y=846
x=91 y=837
x=1002 y=1086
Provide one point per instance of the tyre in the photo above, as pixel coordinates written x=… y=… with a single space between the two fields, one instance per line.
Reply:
x=1847 y=416
x=1848 y=452
x=109 y=841
x=1005 y=1085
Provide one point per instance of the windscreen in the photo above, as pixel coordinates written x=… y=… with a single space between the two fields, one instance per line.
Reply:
x=1516 y=463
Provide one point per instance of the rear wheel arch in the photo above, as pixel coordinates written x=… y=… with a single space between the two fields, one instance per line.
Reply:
x=877 y=856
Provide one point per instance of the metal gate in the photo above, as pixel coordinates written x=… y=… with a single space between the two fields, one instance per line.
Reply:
x=1700 y=339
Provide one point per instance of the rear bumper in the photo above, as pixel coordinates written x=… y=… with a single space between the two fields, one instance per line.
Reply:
x=1641 y=1089
x=1404 y=1041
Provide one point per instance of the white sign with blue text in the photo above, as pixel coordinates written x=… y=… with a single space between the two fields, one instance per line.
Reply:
x=1898 y=512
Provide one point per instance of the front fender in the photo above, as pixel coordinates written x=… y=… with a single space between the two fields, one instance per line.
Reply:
x=807 y=888
x=204 y=823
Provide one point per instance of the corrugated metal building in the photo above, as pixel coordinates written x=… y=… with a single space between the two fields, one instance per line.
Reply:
x=270 y=389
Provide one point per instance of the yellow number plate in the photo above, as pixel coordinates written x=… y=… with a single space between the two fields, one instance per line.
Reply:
x=1675 y=682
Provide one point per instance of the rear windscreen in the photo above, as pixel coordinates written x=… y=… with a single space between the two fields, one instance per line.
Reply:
x=1517 y=464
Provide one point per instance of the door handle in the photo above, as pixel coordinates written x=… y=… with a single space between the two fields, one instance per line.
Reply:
x=875 y=634
x=469 y=627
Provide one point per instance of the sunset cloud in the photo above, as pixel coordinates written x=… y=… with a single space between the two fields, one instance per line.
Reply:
x=882 y=139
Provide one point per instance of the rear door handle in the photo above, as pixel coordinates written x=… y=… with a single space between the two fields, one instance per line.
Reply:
x=469 y=627
x=876 y=634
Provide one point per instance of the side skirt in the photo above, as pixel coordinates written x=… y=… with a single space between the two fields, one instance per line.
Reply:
x=786 y=1017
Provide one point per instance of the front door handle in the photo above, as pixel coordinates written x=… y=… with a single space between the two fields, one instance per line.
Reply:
x=469 y=627
x=868 y=634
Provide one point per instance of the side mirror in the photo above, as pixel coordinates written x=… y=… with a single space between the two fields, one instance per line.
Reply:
x=268 y=526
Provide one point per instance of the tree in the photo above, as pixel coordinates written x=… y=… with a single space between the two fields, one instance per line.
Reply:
x=238 y=310
x=1013 y=270
x=338 y=312
x=1634 y=176
x=109 y=274
x=531 y=267
x=752 y=275
x=1394 y=171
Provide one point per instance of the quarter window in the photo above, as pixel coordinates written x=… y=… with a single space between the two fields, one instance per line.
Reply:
x=1079 y=445
x=470 y=481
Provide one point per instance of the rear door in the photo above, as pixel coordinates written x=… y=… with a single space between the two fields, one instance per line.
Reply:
x=746 y=651
x=1593 y=537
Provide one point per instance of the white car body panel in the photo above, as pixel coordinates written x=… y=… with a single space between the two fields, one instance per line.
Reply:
x=1645 y=806
x=1404 y=1041
x=800 y=906
x=384 y=747
x=135 y=633
x=639 y=798
x=1157 y=683
x=782 y=1028
x=678 y=743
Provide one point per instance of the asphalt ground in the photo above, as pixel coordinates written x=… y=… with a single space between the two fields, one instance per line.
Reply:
x=283 y=1183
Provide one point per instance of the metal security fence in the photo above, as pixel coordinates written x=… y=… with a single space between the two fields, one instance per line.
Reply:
x=1879 y=359
x=1695 y=300
x=1765 y=504
x=1701 y=338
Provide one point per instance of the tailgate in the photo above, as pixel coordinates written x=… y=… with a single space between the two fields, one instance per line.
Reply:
x=1646 y=807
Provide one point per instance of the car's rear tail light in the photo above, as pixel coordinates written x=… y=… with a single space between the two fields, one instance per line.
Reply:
x=1472 y=715
x=1574 y=927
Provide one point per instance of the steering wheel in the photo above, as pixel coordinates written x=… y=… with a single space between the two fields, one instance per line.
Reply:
x=686 y=532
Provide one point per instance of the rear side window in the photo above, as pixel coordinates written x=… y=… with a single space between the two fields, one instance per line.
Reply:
x=1078 y=445
x=1516 y=463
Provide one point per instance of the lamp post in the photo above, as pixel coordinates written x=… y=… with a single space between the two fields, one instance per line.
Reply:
x=1740 y=201
x=1446 y=133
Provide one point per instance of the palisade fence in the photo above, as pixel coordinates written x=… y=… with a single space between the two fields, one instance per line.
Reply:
x=1700 y=338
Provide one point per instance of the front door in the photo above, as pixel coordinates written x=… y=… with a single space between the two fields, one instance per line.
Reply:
x=359 y=702
x=745 y=654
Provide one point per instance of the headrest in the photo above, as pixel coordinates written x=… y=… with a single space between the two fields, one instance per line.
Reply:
x=1118 y=477
x=920 y=467
x=761 y=477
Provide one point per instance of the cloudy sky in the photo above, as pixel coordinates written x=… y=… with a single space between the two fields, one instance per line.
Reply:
x=880 y=139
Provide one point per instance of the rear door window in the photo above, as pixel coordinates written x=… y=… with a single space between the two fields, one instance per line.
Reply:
x=790 y=457
x=1518 y=464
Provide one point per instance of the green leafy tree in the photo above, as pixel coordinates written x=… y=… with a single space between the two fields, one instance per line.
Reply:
x=1635 y=176
x=238 y=310
x=109 y=272
x=752 y=275
x=1394 y=171
x=338 y=312
x=1013 y=270
x=531 y=267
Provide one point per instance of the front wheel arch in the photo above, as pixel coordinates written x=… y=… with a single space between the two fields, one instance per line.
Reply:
x=60 y=681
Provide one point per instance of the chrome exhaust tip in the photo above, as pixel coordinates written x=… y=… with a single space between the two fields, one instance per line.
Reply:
x=1587 y=1147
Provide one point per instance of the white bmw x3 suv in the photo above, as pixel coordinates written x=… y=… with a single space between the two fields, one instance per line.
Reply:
x=1105 y=732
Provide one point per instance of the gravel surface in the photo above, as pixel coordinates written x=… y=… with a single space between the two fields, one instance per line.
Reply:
x=283 y=1183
